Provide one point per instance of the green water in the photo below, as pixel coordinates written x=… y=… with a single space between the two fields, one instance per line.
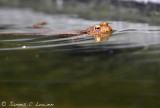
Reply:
x=122 y=72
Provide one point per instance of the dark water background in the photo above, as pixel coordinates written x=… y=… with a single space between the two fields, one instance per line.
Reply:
x=76 y=71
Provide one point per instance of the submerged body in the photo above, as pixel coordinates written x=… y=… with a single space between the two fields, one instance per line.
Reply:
x=96 y=29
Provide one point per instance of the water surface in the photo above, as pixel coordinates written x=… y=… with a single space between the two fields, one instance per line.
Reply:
x=121 y=71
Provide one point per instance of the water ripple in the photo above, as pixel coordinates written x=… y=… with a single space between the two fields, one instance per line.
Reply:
x=125 y=35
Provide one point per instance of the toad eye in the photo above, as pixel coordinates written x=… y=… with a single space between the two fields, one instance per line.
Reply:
x=97 y=27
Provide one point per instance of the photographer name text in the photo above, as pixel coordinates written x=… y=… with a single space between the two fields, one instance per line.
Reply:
x=29 y=104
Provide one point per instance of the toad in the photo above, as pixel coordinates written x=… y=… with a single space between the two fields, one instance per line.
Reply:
x=101 y=28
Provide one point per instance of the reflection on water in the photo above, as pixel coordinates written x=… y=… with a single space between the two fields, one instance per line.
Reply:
x=102 y=37
x=115 y=70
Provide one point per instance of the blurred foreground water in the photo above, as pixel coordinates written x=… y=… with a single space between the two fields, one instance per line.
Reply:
x=77 y=71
